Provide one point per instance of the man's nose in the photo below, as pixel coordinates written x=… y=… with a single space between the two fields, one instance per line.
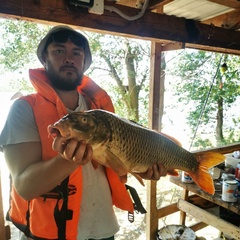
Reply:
x=69 y=59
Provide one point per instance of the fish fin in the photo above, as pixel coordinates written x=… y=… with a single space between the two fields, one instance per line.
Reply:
x=138 y=178
x=204 y=180
x=209 y=159
x=173 y=172
x=115 y=163
x=202 y=177
x=95 y=164
x=171 y=138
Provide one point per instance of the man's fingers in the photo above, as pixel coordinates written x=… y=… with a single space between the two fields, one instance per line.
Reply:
x=154 y=172
x=83 y=153
x=77 y=151
x=162 y=170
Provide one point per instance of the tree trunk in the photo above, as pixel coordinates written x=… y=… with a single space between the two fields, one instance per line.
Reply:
x=132 y=86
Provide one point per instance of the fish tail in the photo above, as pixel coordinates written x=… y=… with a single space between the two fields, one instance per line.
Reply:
x=202 y=177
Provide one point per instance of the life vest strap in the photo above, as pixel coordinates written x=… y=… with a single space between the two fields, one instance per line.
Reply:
x=138 y=207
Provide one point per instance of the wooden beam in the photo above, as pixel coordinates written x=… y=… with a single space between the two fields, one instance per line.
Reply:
x=230 y=20
x=151 y=216
x=197 y=226
x=227 y=3
x=167 y=210
x=158 y=5
x=156 y=87
x=184 y=195
x=223 y=150
x=154 y=116
x=152 y=26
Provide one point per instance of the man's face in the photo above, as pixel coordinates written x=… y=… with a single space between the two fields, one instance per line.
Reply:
x=64 y=64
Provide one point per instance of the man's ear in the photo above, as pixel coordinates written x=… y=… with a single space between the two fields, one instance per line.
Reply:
x=44 y=56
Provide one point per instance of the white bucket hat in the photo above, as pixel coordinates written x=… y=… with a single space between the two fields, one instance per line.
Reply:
x=82 y=42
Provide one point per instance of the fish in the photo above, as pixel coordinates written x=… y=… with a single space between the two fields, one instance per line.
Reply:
x=128 y=147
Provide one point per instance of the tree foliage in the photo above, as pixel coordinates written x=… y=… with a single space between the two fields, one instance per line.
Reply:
x=124 y=64
x=18 y=51
x=208 y=92
x=20 y=41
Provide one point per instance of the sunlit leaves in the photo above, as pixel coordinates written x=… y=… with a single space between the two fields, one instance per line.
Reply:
x=203 y=86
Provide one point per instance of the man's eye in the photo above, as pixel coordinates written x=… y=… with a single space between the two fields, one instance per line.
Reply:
x=59 y=51
x=78 y=54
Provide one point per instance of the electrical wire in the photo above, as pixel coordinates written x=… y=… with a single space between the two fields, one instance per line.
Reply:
x=123 y=15
x=205 y=103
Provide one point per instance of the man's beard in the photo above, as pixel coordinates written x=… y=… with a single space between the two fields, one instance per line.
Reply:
x=61 y=83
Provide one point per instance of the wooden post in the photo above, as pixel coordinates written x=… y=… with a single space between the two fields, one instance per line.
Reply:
x=182 y=213
x=155 y=115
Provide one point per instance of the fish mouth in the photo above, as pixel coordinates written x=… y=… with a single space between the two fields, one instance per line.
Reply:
x=55 y=131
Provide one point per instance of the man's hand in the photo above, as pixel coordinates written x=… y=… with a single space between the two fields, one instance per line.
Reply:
x=72 y=150
x=154 y=172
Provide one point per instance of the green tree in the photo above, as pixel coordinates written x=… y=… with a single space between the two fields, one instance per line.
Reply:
x=124 y=64
x=208 y=91
x=18 y=50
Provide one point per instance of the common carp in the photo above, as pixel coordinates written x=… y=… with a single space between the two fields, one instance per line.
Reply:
x=125 y=146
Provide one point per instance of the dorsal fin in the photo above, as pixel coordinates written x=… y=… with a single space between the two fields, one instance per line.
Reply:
x=171 y=138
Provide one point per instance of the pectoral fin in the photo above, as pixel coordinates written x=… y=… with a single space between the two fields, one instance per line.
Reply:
x=115 y=163
x=138 y=178
x=173 y=172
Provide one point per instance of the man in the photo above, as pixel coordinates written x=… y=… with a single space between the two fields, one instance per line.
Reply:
x=57 y=191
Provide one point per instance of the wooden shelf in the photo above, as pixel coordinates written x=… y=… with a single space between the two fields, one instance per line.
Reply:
x=216 y=198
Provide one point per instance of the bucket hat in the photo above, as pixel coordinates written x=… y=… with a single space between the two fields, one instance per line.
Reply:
x=76 y=35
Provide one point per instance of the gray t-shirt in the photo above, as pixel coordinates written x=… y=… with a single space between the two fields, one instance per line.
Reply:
x=97 y=218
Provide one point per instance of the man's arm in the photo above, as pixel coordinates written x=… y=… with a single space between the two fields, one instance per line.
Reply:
x=32 y=176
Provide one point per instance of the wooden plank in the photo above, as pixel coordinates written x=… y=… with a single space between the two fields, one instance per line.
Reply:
x=197 y=226
x=209 y=218
x=223 y=150
x=156 y=94
x=216 y=198
x=230 y=20
x=228 y=3
x=151 y=216
x=167 y=210
x=154 y=116
x=151 y=26
x=184 y=195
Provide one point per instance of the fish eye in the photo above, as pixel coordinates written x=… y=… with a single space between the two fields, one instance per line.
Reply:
x=84 y=120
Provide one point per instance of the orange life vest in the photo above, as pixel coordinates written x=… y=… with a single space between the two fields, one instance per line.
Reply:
x=37 y=216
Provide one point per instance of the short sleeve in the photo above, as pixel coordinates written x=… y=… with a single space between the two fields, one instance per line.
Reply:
x=20 y=125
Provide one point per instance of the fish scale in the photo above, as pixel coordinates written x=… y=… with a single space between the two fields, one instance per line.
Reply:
x=130 y=141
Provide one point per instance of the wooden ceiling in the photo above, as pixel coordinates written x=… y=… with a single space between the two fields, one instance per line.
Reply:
x=203 y=24
x=220 y=13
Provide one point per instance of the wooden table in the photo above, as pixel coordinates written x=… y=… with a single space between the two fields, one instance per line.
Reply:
x=203 y=215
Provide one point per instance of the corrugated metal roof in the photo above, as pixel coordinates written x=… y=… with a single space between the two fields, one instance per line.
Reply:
x=198 y=10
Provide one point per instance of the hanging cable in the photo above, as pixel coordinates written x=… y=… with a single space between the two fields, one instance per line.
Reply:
x=123 y=15
x=205 y=103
